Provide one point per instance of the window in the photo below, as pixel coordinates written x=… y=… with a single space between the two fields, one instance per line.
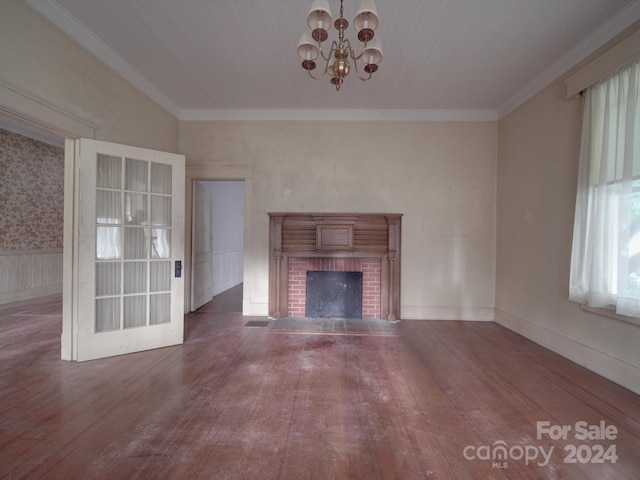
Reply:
x=605 y=259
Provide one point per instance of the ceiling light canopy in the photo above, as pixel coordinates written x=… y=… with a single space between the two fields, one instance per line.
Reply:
x=336 y=61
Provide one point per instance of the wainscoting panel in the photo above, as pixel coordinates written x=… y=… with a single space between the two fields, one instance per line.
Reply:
x=227 y=269
x=29 y=273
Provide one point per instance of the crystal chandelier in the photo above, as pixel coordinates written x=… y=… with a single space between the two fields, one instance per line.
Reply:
x=336 y=62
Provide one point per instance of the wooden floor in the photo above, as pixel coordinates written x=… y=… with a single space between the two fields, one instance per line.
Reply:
x=434 y=400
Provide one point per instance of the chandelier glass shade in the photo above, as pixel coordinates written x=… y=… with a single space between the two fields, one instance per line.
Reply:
x=338 y=61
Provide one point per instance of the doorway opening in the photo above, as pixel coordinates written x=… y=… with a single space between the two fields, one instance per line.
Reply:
x=32 y=213
x=217 y=245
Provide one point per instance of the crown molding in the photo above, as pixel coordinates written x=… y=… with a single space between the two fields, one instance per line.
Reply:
x=610 y=29
x=345 y=115
x=72 y=27
x=51 y=10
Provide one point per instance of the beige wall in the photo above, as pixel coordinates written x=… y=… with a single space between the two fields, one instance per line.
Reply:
x=538 y=151
x=41 y=62
x=441 y=176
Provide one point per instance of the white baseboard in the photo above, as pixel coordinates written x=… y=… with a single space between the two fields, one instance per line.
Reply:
x=599 y=362
x=482 y=314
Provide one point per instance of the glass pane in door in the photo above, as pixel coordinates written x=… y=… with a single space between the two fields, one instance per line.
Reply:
x=135 y=243
x=160 y=276
x=160 y=305
x=160 y=211
x=107 y=278
x=135 y=208
x=135 y=277
x=108 y=243
x=160 y=178
x=109 y=172
x=107 y=314
x=160 y=243
x=135 y=311
x=108 y=207
x=136 y=175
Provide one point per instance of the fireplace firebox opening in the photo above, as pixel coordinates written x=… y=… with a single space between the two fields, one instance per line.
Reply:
x=334 y=294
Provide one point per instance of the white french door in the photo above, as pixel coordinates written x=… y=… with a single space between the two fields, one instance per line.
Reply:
x=128 y=289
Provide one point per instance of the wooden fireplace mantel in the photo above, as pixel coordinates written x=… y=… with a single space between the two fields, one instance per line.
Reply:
x=335 y=235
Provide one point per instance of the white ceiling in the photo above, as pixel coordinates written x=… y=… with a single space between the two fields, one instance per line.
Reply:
x=226 y=59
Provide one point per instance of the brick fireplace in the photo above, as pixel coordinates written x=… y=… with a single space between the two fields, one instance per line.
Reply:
x=367 y=243
x=297 y=278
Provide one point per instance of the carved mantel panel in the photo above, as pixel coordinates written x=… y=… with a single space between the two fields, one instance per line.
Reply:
x=303 y=235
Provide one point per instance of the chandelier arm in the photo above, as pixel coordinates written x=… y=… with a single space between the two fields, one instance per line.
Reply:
x=364 y=79
x=325 y=71
x=327 y=57
x=324 y=74
x=334 y=47
x=353 y=55
x=355 y=62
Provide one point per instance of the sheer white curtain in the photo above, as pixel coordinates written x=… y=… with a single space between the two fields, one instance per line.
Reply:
x=605 y=261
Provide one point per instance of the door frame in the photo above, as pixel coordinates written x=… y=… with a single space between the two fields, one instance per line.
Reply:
x=213 y=173
x=35 y=114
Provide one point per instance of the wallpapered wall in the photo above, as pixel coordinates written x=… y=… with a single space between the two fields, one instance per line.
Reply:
x=31 y=193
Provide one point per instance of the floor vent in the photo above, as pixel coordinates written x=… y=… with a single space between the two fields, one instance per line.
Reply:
x=257 y=323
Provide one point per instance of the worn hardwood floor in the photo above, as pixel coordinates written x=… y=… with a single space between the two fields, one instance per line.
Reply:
x=431 y=401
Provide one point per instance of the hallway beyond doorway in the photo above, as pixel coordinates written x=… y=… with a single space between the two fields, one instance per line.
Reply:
x=229 y=301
